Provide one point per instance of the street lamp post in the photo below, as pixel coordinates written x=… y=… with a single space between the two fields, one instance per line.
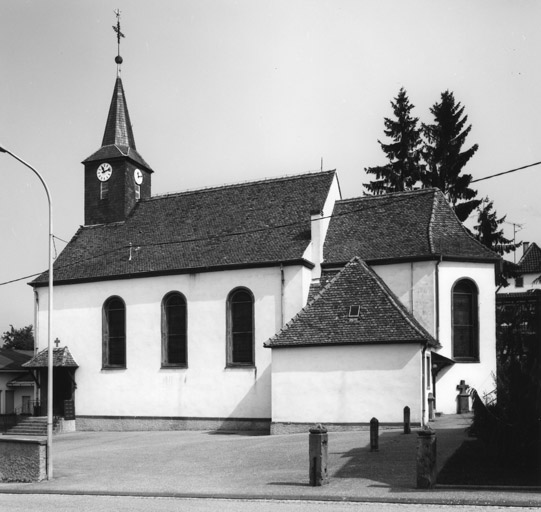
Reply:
x=49 y=321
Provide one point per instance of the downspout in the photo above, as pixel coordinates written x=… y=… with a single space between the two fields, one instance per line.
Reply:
x=423 y=383
x=282 y=287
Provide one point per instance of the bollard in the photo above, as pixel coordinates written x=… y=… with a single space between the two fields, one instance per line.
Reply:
x=407 y=423
x=374 y=434
x=318 y=454
x=426 y=459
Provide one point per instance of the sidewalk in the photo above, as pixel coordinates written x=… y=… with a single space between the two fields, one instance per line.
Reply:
x=243 y=465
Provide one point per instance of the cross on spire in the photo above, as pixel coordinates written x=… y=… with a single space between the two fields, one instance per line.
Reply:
x=119 y=34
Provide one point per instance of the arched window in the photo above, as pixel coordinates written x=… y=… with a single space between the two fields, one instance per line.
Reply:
x=465 y=321
x=240 y=328
x=114 y=333
x=174 y=339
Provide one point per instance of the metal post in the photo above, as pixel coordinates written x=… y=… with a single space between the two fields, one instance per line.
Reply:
x=49 y=319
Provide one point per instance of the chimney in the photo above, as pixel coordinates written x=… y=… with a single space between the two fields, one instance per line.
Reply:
x=525 y=246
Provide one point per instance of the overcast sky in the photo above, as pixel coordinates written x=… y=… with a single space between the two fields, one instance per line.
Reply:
x=222 y=91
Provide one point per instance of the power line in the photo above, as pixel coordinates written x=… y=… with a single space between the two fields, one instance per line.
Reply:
x=505 y=172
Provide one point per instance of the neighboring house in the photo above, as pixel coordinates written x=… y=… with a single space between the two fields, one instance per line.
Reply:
x=528 y=270
x=167 y=302
x=17 y=387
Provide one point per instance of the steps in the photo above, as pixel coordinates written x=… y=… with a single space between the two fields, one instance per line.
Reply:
x=30 y=426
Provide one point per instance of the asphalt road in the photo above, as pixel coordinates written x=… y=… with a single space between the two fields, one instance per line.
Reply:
x=62 y=503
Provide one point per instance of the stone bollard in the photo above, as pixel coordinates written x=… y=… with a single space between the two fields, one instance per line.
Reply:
x=426 y=459
x=407 y=422
x=318 y=454
x=374 y=435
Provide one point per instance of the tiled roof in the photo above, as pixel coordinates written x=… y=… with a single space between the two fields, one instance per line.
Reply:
x=406 y=225
x=12 y=360
x=117 y=151
x=61 y=357
x=258 y=223
x=531 y=260
x=325 y=321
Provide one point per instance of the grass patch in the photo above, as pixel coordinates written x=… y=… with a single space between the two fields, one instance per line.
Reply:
x=471 y=465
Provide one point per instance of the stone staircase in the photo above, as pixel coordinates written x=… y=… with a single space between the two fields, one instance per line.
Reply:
x=30 y=426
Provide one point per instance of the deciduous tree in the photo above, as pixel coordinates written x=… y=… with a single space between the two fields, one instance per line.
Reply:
x=20 y=339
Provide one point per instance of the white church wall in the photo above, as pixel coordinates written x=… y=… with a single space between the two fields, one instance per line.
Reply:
x=479 y=375
x=345 y=385
x=206 y=389
x=414 y=284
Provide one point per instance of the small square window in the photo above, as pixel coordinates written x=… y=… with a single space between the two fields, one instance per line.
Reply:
x=354 y=311
x=519 y=282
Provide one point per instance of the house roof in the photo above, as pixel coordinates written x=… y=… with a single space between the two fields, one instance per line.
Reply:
x=251 y=224
x=326 y=319
x=407 y=225
x=61 y=357
x=12 y=360
x=531 y=260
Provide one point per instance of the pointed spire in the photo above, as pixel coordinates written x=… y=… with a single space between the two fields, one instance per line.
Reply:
x=118 y=129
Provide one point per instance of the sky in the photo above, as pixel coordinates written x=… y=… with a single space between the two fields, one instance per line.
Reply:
x=225 y=91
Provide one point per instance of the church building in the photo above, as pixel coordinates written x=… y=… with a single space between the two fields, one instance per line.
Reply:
x=267 y=305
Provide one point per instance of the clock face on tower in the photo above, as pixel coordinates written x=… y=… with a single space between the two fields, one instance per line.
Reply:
x=104 y=172
x=138 y=176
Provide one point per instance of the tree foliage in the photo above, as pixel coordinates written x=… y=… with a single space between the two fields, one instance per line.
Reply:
x=488 y=231
x=429 y=156
x=444 y=155
x=403 y=171
x=20 y=339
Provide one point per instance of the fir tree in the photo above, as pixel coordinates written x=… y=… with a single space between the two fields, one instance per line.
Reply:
x=488 y=231
x=403 y=170
x=445 y=158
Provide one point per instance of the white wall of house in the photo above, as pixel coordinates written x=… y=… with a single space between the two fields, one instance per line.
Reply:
x=206 y=388
x=17 y=392
x=479 y=375
x=346 y=384
x=527 y=284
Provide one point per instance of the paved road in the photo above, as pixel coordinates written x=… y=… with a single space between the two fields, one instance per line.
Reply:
x=59 y=503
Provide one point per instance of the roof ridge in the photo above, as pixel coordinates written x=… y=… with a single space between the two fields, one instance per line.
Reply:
x=417 y=191
x=246 y=183
x=528 y=250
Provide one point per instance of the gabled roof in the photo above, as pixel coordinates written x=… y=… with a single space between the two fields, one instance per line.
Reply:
x=12 y=360
x=407 y=225
x=118 y=139
x=61 y=358
x=531 y=260
x=325 y=320
x=252 y=224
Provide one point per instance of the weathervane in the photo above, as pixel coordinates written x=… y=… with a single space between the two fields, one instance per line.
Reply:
x=119 y=34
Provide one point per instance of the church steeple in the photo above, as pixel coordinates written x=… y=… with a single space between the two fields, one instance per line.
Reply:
x=116 y=175
x=118 y=130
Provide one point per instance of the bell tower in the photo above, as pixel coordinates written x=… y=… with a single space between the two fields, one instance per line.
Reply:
x=116 y=175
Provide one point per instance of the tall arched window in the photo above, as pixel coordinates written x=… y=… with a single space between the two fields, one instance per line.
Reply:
x=114 y=333
x=240 y=328
x=465 y=321
x=174 y=338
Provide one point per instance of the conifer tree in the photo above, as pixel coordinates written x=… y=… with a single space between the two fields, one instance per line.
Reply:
x=488 y=231
x=404 y=168
x=445 y=158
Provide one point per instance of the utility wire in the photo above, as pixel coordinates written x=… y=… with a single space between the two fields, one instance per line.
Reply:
x=505 y=172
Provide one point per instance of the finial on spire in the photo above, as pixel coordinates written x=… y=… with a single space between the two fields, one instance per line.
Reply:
x=119 y=34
